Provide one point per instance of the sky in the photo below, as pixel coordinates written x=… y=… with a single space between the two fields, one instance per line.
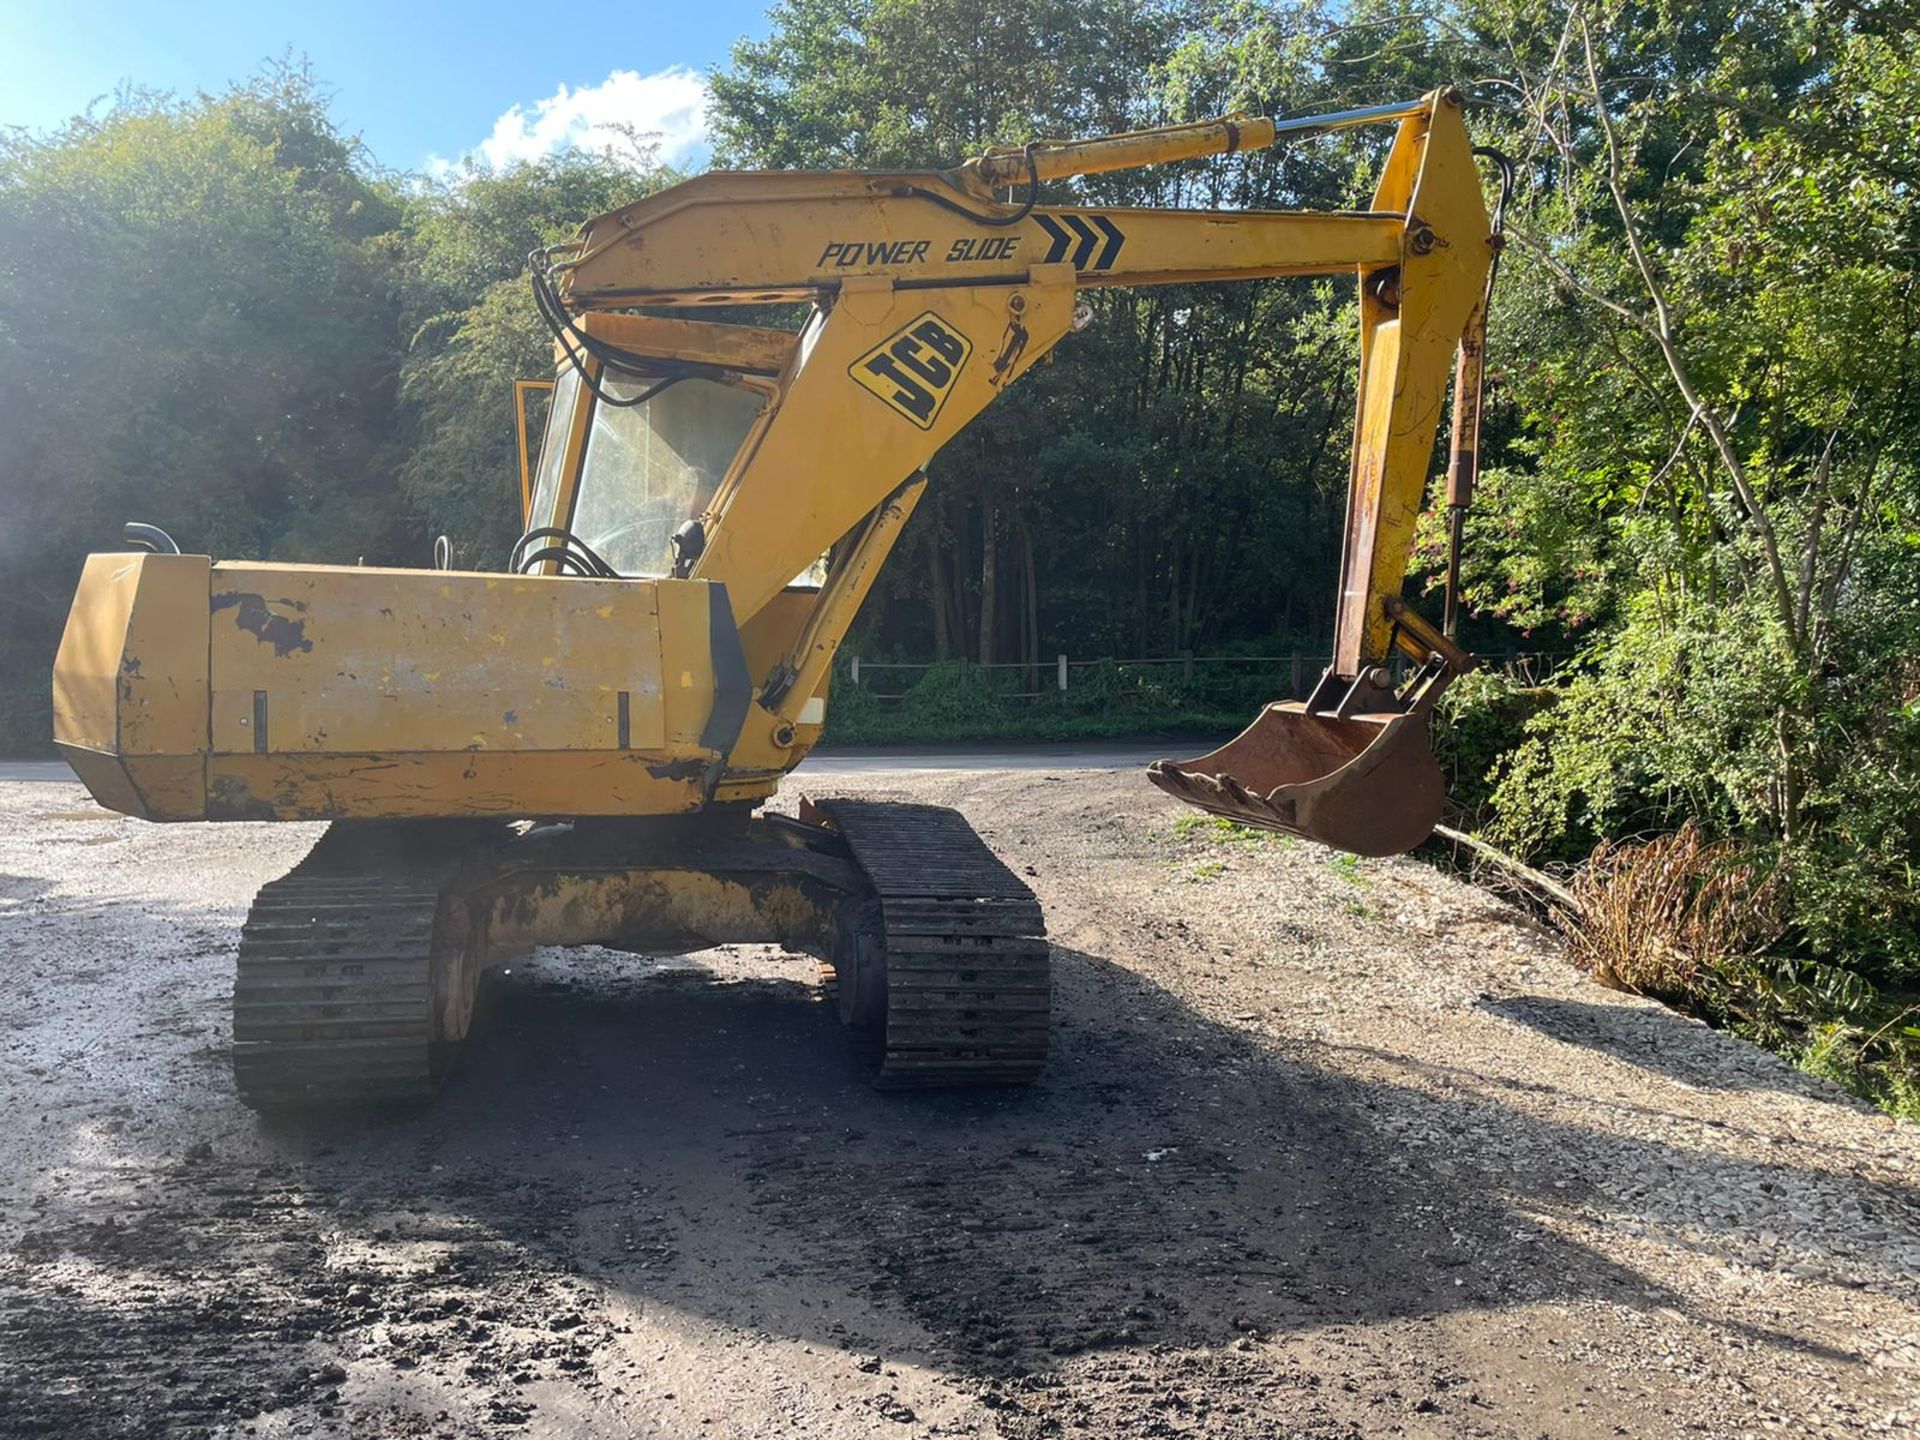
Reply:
x=424 y=83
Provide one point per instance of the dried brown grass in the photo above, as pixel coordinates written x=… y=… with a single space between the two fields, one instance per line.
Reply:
x=1664 y=917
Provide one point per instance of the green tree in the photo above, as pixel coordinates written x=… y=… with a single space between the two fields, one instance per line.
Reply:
x=1174 y=478
x=471 y=329
x=195 y=330
x=1710 y=466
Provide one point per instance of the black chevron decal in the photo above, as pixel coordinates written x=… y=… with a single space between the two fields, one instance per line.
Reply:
x=1088 y=240
x=1114 y=241
x=1057 y=251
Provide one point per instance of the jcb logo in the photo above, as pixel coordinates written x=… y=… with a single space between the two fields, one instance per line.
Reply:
x=914 y=368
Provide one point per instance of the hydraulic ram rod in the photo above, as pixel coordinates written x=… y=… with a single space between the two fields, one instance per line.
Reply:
x=1058 y=159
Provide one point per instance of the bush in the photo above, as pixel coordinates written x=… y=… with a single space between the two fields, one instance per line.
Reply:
x=1779 y=897
x=1674 y=917
x=958 y=702
x=26 y=717
x=1481 y=719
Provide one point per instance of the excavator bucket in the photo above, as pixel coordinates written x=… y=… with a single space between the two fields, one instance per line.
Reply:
x=1364 y=783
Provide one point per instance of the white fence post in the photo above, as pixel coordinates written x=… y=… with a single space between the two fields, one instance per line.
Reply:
x=1062 y=666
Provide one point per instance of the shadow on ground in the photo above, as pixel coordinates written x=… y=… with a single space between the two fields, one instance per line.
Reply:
x=710 y=1145
x=1641 y=1035
x=1170 y=1181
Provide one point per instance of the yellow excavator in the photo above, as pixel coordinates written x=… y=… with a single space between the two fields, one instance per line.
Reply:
x=576 y=750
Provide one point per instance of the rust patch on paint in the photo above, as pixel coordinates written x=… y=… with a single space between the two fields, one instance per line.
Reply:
x=254 y=615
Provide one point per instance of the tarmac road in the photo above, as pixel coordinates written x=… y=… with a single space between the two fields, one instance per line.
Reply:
x=1324 y=1149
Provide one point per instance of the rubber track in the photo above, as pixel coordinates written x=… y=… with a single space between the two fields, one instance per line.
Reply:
x=969 y=982
x=333 y=992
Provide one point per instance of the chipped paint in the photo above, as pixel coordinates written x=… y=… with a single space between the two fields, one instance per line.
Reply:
x=256 y=617
x=678 y=770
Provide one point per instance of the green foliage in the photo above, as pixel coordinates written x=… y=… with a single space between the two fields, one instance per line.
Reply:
x=1173 y=478
x=961 y=702
x=1481 y=718
x=878 y=84
x=1877 y=1064
x=471 y=329
x=1712 y=465
x=1347 y=867
x=195 y=330
x=1216 y=841
x=1660 y=725
x=1218 y=830
x=216 y=315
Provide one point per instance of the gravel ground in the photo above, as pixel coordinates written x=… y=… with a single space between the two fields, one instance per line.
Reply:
x=1325 y=1149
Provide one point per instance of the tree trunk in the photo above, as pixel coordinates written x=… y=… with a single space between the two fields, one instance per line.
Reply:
x=989 y=580
x=1790 y=785
x=1174 y=631
x=1142 y=641
x=937 y=598
x=1197 y=568
x=1031 y=634
x=960 y=621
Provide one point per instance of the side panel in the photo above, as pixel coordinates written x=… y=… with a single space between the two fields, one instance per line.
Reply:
x=408 y=785
x=186 y=691
x=687 y=661
x=312 y=659
x=130 y=683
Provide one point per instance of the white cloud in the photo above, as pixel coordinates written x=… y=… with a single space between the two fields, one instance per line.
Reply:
x=668 y=108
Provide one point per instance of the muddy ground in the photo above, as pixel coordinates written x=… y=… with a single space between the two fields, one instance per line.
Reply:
x=1325 y=1149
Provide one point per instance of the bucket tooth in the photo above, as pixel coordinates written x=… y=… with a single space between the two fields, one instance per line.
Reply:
x=1364 y=783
